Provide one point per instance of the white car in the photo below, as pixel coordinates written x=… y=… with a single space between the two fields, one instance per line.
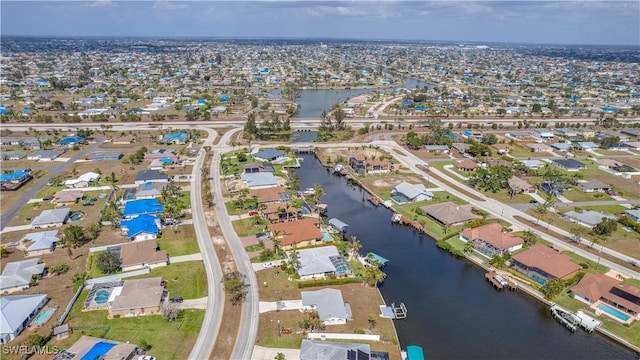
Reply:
x=268 y=265
x=146 y=357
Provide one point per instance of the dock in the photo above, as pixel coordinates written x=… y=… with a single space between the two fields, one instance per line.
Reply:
x=374 y=200
x=500 y=282
x=393 y=311
x=573 y=321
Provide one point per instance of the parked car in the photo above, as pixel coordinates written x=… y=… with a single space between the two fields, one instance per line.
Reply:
x=47 y=198
x=176 y=299
x=533 y=201
x=268 y=265
x=253 y=212
x=146 y=357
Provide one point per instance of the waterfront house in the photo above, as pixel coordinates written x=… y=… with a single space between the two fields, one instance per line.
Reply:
x=595 y=288
x=587 y=218
x=142 y=227
x=592 y=186
x=41 y=242
x=133 y=208
x=51 y=218
x=338 y=224
x=142 y=255
x=466 y=165
x=361 y=164
x=258 y=167
x=320 y=262
x=17 y=275
x=406 y=192
x=138 y=297
x=269 y=155
x=491 y=239
x=633 y=214
x=82 y=181
x=449 y=213
x=329 y=304
x=17 y=312
x=270 y=195
x=280 y=211
x=299 y=233
x=569 y=164
x=67 y=197
x=541 y=264
x=322 y=349
x=259 y=180
x=517 y=184
x=146 y=176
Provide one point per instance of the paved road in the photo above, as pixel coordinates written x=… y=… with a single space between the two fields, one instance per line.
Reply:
x=40 y=183
x=597 y=203
x=213 y=314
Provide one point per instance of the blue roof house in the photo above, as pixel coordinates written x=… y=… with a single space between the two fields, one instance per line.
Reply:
x=71 y=140
x=135 y=208
x=175 y=138
x=140 y=228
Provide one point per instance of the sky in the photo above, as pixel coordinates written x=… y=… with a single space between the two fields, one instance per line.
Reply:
x=587 y=22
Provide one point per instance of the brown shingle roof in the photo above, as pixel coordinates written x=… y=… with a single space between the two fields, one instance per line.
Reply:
x=547 y=260
x=494 y=235
x=138 y=294
x=267 y=195
x=449 y=213
x=67 y=196
x=141 y=252
x=466 y=164
x=516 y=183
x=293 y=232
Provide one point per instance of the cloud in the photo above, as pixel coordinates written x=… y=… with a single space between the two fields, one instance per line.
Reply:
x=323 y=10
x=170 y=5
x=100 y=3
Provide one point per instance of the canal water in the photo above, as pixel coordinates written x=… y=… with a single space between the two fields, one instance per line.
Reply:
x=453 y=313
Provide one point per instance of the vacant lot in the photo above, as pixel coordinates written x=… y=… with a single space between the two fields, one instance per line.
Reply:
x=384 y=183
x=362 y=299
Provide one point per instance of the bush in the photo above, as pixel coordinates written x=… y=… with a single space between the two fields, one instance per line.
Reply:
x=322 y=282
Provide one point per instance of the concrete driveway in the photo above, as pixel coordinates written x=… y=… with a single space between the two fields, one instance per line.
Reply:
x=266 y=265
x=263 y=353
x=266 y=306
x=200 y=303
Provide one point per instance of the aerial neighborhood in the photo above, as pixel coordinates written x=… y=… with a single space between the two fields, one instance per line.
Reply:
x=179 y=199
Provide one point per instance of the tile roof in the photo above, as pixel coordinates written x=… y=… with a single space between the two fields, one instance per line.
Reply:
x=547 y=260
x=293 y=232
x=494 y=235
x=449 y=212
x=138 y=294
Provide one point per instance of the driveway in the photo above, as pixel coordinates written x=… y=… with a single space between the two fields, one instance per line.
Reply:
x=266 y=265
x=266 y=306
x=264 y=353
x=200 y=303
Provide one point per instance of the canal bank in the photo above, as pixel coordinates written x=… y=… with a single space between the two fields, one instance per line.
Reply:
x=452 y=313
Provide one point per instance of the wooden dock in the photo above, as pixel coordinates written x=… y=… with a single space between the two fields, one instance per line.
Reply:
x=374 y=200
x=500 y=282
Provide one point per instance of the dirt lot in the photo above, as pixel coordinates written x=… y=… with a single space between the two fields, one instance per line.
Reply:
x=379 y=184
x=332 y=154
x=362 y=299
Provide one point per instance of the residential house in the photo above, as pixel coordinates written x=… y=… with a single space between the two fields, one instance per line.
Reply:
x=632 y=132
x=543 y=134
x=491 y=239
x=297 y=233
x=67 y=197
x=517 y=184
x=142 y=255
x=106 y=156
x=280 y=211
x=125 y=140
x=161 y=154
x=593 y=186
x=146 y=176
x=138 y=297
x=569 y=164
x=587 y=145
x=320 y=262
x=44 y=155
x=142 y=227
x=71 y=141
x=532 y=164
x=133 y=208
x=595 y=288
x=115 y=350
x=536 y=147
x=502 y=149
x=541 y=264
x=563 y=147
x=329 y=304
x=16 y=312
x=17 y=275
x=405 y=192
x=518 y=135
x=338 y=224
x=436 y=148
x=41 y=242
x=587 y=218
x=149 y=190
x=255 y=167
x=175 y=138
x=51 y=218
x=82 y=181
x=260 y=180
x=461 y=148
x=320 y=350
x=270 y=195
x=362 y=164
x=499 y=162
x=466 y=165
x=269 y=155
x=449 y=213
x=12 y=155
x=633 y=214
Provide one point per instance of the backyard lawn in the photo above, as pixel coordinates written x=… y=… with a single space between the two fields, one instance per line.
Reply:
x=248 y=227
x=186 y=279
x=180 y=246
x=575 y=194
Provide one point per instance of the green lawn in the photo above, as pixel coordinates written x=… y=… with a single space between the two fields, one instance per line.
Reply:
x=232 y=210
x=177 y=247
x=168 y=340
x=48 y=190
x=186 y=279
x=247 y=227
x=520 y=152
x=592 y=266
x=575 y=194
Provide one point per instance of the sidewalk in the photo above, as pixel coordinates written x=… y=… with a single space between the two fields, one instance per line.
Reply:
x=185 y=258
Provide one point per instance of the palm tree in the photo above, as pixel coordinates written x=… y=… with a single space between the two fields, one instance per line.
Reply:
x=318 y=191
x=529 y=237
x=373 y=275
x=354 y=247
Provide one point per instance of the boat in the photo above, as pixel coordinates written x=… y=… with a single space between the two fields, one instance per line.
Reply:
x=414 y=352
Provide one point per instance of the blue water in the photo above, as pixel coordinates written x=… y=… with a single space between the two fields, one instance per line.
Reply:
x=326 y=236
x=101 y=297
x=43 y=317
x=614 y=312
x=76 y=216
x=98 y=350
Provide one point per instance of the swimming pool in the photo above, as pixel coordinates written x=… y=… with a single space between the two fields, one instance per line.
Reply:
x=101 y=297
x=98 y=350
x=326 y=236
x=76 y=216
x=43 y=316
x=614 y=312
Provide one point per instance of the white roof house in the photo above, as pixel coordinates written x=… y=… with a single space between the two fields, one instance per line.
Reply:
x=17 y=275
x=82 y=181
x=587 y=218
x=412 y=192
x=259 y=180
x=16 y=312
x=322 y=349
x=43 y=242
x=329 y=305
x=51 y=217
x=320 y=261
